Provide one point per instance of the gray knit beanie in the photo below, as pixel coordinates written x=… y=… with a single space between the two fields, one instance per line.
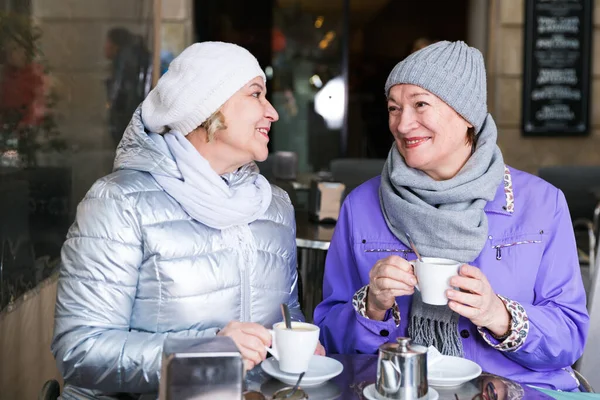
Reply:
x=452 y=71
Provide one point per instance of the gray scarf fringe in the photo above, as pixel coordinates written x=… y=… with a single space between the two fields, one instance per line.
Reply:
x=434 y=326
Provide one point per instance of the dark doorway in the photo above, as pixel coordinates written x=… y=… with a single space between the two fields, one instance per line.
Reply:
x=376 y=46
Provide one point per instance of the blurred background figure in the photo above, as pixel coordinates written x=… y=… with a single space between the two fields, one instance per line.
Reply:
x=130 y=79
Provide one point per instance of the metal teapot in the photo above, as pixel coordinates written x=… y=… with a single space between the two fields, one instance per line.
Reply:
x=402 y=371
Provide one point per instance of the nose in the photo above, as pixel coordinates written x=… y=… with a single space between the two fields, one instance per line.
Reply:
x=270 y=112
x=404 y=122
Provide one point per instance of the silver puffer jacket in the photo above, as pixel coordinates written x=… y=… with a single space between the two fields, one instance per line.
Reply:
x=137 y=269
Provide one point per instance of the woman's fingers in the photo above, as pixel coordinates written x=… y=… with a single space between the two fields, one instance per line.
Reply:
x=389 y=278
x=468 y=284
x=468 y=299
x=250 y=354
x=471 y=272
x=396 y=273
x=248 y=365
x=388 y=284
x=255 y=344
x=250 y=339
x=397 y=264
x=257 y=331
x=466 y=311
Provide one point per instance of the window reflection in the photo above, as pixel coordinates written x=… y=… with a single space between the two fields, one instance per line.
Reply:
x=56 y=135
x=308 y=88
x=304 y=55
x=34 y=199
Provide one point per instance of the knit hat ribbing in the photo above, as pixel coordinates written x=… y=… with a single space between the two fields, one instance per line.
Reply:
x=199 y=81
x=453 y=71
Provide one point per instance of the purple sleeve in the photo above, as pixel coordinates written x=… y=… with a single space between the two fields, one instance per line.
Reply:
x=558 y=316
x=343 y=330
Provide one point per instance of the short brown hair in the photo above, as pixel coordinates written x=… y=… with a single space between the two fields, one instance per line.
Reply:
x=471 y=138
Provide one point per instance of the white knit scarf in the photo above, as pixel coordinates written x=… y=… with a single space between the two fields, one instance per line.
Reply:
x=219 y=202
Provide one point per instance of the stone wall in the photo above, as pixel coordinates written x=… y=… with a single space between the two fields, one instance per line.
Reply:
x=505 y=65
x=26 y=329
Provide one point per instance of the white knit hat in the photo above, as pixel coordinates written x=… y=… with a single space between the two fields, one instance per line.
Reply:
x=199 y=81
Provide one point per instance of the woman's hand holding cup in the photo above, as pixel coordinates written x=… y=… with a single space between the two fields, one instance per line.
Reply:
x=477 y=301
x=390 y=277
x=320 y=350
x=250 y=339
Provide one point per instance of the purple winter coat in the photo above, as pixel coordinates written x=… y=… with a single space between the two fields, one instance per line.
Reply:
x=543 y=277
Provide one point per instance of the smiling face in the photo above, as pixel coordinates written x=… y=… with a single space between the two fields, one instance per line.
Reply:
x=248 y=116
x=429 y=134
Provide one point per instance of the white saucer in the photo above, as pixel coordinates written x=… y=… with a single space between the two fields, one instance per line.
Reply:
x=320 y=370
x=371 y=393
x=452 y=371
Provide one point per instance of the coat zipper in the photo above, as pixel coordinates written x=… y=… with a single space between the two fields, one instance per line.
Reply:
x=245 y=295
x=499 y=247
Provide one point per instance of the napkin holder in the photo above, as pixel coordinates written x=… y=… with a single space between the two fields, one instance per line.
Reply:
x=325 y=200
x=201 y=368
x=285 y=165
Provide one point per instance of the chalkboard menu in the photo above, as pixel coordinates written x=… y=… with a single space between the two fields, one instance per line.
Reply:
x=556 y=79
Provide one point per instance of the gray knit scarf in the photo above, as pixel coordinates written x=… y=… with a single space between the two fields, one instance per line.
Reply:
x=445 y=219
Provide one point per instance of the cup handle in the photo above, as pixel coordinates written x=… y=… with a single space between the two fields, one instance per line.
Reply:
x=414 y=264
x=272 y=350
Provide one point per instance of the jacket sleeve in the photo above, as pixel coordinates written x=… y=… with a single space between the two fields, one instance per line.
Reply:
x=558 y=317
x=93 y=344
x=343 y=329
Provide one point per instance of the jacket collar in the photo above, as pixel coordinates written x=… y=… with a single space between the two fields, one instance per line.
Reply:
x=504 y=201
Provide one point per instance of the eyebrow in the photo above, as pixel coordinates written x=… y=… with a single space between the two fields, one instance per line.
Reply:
x=411 y=96
x=258 y=86
x=419 y=94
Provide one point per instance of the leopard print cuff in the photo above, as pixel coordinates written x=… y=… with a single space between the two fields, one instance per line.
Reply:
x=359 y=302
x=519 y=327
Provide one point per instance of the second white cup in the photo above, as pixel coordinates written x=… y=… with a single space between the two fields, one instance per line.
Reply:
x=294 y=348
x=433 y=277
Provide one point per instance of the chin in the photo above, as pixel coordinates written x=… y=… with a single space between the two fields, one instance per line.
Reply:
x=415 y=162
x=261 y=156
x=261 y=153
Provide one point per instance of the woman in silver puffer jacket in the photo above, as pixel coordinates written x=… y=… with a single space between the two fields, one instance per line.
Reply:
x=185 y=238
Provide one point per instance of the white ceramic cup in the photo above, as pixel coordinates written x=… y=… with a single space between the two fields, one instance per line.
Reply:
x=294 y=348
x=433 y=278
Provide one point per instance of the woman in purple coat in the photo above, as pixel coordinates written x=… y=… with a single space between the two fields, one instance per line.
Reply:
x=521 y=310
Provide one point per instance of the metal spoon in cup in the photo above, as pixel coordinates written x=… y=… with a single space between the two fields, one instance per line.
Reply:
x=414 y=248
x=286 y=315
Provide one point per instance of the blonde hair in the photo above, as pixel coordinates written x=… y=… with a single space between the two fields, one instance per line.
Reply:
x=214 y=123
